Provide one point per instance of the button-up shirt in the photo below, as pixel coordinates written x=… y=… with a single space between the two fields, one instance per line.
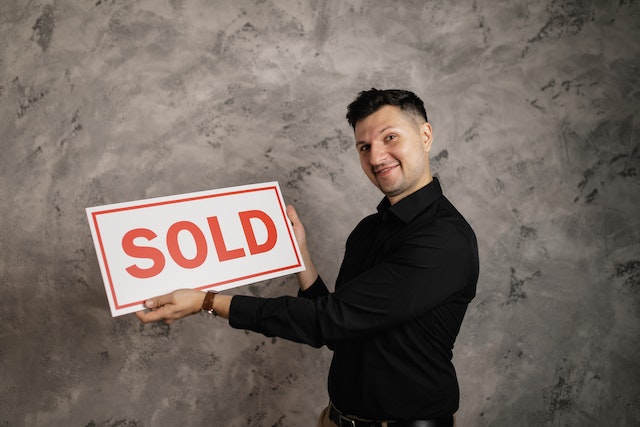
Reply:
x=408 y=273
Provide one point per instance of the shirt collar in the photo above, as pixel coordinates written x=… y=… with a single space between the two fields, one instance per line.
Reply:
x=409 y=207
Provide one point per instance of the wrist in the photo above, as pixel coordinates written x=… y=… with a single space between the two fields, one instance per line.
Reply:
x=208 y=303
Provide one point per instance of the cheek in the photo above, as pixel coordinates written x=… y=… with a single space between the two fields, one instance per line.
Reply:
x=366 y=168
x=409 y=153
x=364 y=163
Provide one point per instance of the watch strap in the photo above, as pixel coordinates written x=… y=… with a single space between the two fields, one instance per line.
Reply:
x=207 y=304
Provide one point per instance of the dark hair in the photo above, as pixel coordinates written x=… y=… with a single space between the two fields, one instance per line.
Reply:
x=369 y=101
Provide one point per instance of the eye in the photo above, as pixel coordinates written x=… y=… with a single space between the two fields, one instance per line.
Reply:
x=390 y=137
x=363 y=148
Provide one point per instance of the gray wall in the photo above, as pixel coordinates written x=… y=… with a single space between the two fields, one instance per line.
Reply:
x=535 y=109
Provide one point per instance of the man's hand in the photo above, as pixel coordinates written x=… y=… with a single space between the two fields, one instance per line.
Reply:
x=298 y=228
x=173 y=306
x=307 y=277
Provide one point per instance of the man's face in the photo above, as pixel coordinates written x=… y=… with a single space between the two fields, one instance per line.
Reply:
x=394 y=151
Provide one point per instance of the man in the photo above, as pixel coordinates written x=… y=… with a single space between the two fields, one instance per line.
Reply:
x=408 y=274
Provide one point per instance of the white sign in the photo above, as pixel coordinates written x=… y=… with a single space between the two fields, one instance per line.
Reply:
x=218 y=239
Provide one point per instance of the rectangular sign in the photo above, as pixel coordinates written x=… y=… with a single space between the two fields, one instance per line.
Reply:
x=217 y=239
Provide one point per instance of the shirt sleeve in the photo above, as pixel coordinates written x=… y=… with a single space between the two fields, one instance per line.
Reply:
x=424 y=271
x=317 y=289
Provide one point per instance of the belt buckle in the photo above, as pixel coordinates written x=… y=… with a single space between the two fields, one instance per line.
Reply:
x=349 y=421
x=346 y=422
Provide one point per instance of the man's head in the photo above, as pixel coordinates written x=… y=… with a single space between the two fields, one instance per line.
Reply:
x=393 y=139
x=370 y=101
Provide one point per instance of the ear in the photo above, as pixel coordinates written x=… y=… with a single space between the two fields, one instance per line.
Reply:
x=426 y=132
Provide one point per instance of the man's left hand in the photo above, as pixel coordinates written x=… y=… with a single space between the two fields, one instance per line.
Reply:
x=173 y=306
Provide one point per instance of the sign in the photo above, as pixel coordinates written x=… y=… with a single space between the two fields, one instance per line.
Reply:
x=218 y=239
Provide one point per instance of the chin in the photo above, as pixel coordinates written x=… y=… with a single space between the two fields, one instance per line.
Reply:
x=390 y=192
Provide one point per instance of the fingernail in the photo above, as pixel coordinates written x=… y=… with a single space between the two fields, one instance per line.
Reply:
x=149 y=303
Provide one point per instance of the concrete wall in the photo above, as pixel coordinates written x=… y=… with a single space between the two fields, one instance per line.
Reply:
x=535 y=106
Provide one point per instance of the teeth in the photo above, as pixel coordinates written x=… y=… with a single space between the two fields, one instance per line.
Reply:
x=377 y=171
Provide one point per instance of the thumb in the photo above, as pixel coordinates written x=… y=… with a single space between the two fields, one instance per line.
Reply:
x=158 y=301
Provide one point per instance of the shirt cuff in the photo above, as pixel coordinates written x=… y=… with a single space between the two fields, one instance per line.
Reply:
x=243 y=312
x=317 y=289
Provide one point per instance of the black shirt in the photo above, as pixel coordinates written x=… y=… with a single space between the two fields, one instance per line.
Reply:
x=408 y=274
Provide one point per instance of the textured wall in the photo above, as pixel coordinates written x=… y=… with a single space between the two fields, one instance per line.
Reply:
x=535 y=106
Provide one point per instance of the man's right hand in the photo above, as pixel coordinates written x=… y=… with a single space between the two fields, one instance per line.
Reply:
x=307 y=277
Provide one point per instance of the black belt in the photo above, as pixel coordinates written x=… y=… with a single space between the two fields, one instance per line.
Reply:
x=344 y=421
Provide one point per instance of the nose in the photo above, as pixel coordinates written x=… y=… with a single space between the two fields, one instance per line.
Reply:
x=377 y=154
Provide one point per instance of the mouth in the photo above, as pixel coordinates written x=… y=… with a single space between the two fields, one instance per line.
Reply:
x=384 y=170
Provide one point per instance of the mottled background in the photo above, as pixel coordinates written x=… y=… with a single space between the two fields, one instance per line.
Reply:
x=535 y=107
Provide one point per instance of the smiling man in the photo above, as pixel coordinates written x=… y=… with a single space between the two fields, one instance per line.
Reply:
x=408 y=274
x=394 y=151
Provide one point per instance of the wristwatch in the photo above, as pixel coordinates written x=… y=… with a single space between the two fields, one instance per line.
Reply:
x=207 y=304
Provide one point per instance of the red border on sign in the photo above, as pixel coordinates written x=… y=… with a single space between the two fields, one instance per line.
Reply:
x=190 y=199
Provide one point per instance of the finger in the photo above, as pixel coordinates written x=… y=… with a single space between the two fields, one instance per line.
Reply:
x=159 y=301
x=143 y=316
x=292 y=214
x=151 y=316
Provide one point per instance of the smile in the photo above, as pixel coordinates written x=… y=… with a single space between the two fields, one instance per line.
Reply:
x=384 y=170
